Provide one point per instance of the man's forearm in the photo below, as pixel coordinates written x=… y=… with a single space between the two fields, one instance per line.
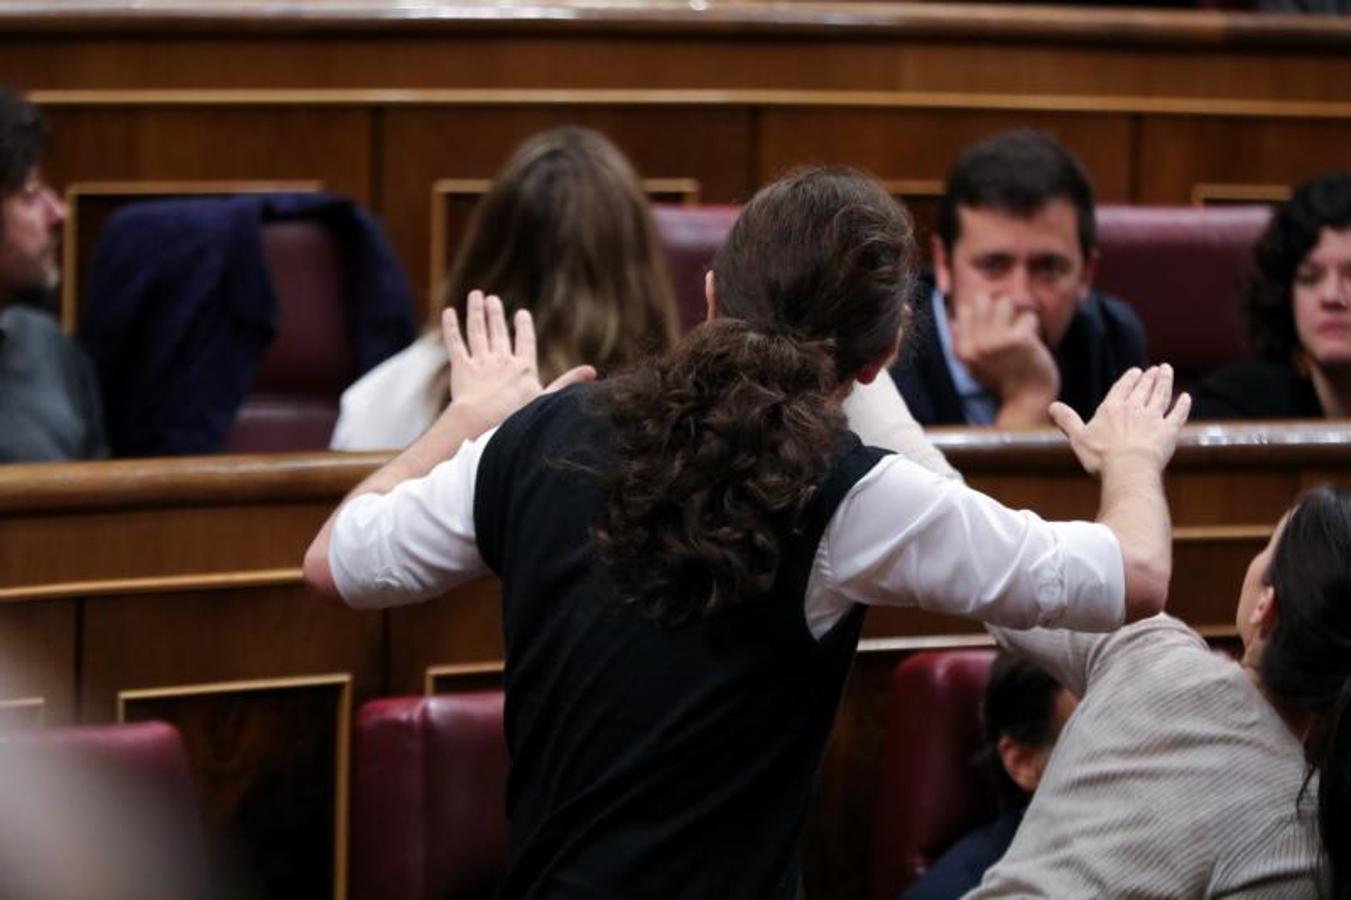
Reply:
x=1135 y=509
x=459 y=423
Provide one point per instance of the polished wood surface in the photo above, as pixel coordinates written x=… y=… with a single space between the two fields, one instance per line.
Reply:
x=182 y=575
x=380 y=101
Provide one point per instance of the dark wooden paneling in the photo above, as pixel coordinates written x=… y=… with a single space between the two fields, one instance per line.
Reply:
x=300 y=143
x=38 y=659
x=423 y=145
x=922 y=144
x=465 y=627
x=134 y=642
x=269 y=762
x=1175 y=154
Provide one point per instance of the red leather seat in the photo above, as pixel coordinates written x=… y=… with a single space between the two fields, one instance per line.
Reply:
x=428 y=817
x=1182 y=269
x=929 y=791
x=294 y=401
x=119 y=798
x=690 y=235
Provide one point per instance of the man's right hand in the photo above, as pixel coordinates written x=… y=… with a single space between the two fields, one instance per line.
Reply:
x=1133 y=421
x=1127 y=443
x=1003 y=350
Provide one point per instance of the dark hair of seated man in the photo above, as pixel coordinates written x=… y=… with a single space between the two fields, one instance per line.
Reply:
x=1022 y=713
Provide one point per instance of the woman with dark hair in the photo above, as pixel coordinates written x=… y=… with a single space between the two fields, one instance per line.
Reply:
x=686 y=551
x=564 y=232
x=1299 y=315
x=1182 y=774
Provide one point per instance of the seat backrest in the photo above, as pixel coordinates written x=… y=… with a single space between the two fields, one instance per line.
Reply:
x=293 y=404
x=930 y=792
x=428 y=814
x=690 y=235
x=1182 y=269
x=135 y=817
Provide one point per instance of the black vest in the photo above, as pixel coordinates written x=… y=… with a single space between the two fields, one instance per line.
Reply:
x=647 y=761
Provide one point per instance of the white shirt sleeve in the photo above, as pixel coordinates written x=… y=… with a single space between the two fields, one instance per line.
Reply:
x=415 y=542
x=904 y=536
x=878 y=415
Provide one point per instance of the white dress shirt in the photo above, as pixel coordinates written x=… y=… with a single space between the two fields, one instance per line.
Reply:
x=903 y=536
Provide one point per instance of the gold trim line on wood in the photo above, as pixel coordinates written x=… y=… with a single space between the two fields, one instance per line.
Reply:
x=341 y=760
x=1204 y=192
x=208 y=581
x=1199 y=534
x=201 y=689
x=452 y=670
x=1207 y=107
x=36 y=703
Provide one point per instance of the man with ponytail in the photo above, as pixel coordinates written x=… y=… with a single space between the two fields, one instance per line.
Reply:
x=687 y=550
x=1182 y=774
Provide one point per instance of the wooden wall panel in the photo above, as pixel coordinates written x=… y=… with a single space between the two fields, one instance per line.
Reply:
x=904 y=144
x=38 y=658
x=1176 y=154
x=760 y=57
x=424 y=145
x=462 y=628
x=328 y=145
x=135 y=642
x=269 y=759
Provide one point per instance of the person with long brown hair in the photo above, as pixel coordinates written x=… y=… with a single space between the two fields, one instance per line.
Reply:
x=564 y=232
x=687 y=551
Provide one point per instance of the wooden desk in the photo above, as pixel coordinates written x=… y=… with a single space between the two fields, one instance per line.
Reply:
x=1162 y=106
x=172 y=588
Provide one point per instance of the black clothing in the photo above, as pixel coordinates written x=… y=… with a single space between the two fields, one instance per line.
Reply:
x=1256 y=389
x=49 y=399
x=963 y=865
x=180 y=311
x=647 y=761
x=1105 y=338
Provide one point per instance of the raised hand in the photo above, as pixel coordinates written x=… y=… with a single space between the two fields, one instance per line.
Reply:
x=489 y=375
x=1003 y=350
x=1133 y=421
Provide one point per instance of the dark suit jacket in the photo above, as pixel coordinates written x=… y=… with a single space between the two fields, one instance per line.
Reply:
x=1256 y=389
x=180 y=310
x=1105 y=338
x=963 y=865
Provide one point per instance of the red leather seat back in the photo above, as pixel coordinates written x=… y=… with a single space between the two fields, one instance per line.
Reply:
x=1182 y=269
x=294 y=401
x=929 y=790
x=690 y=235
x=428 y=817
x=137 y=772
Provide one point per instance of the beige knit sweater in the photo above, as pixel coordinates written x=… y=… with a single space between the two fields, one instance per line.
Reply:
x=1175 y=778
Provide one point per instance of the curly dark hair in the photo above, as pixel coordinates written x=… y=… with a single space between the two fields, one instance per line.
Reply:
x=723 y=442
x=23 y=140
x=1324 y=202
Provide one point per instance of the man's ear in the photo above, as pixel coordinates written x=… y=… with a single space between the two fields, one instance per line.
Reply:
x=710 y=295
x=942 y=267
x=1264 y=615
x=1090 y=272
x=1022 y=762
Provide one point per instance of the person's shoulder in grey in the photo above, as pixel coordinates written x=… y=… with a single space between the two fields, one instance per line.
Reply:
x=1173 y=778
x=49 y=401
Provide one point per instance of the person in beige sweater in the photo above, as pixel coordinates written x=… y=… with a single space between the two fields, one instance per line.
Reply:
x=1183 y=774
